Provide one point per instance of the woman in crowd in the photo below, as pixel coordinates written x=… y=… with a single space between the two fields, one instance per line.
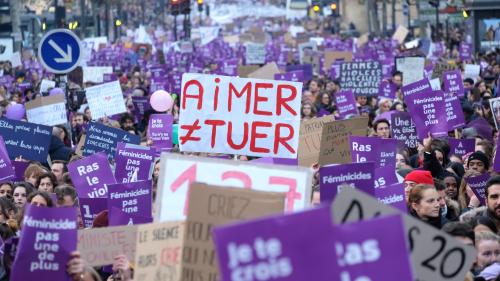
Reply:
x=423 y=203
x=46 y=182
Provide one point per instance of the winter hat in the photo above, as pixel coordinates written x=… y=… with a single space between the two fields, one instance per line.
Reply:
x=101 y=220
x=478 y=155
x=420 y=177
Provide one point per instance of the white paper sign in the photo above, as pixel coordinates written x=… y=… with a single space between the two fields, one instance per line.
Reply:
x=412 y=68
x=222 y=114
x=15 y=59
x=472 y=71
x=49 y=111
x=306 y=48
x=94 y=42
x=435 y=84
x=178 y=172
x=105 y=100
x=208 y=34
x=6 y=49
x=255 y=53
x=45 y=85
x=94 y=74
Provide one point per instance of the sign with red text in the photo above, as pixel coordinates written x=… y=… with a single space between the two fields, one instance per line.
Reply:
x=178 y=172
x=239 y=116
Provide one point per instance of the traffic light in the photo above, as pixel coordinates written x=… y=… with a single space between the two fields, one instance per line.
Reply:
x=177 y=7
x=118 y=22
x=73 y=25
x=44 y=24
x=316 y=8
x=200 y=5
x=333 y=6
x=465 y=13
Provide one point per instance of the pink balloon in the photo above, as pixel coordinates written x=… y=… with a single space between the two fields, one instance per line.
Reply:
x=161 y=101
x=56 y=91
x=15 y=111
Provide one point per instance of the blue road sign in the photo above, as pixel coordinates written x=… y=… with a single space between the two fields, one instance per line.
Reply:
x=60 y=51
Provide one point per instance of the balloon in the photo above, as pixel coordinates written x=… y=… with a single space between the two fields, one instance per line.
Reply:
x=161 y=101
x=175 y=133
x=15 y=111
x=56 y=91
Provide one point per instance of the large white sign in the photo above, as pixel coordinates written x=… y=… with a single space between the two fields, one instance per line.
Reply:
x=105 y=100
x=412 y=68
x=95 y=74
x=49 y=111
x=255 y=53
x=178 y=172
x=241 y=116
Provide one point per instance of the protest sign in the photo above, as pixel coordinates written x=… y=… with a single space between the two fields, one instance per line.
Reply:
x=387 y=90
x=307 y=69
x=306 y=49
x=310 y=140
x=15 y=60
x=465 y=51
x=255 y=53
x=495 y=110
x=103 y=138
x=46 y=85
x=100 y=246
x=133 y=162
x=263 y=244
x=440 y=68
x=7 y=44
x=105 y=100
x=160 y=130
x=472 y=71
x=435 y=84
x=141 y=105
x=49 y=111
x=49 y=236
x=90 y=208
x=244 y=117
x=208 y=34
x=427 y=108
x=177 y=172
x=94 y=42
x=159 y=251
x=130 y=203
x=335 y=178
x=95 y=74
x=454 y=113
x=19 y=168
x=435 y=255
x=6 y=170
x=31 y=141
x=403 y=129
x=334 y=146
x=393 y=195
x=268 y=72
x=332 y=56
x=346 y=104
x=294 y=76
x=478 y=185
x=412 y=68
x=211 y=206
x=453 y=82
x=460 y=147
x=400 y=34
x=363 y=78
x=90 y=176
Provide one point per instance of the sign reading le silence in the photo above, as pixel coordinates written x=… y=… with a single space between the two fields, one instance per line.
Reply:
x=60 y=51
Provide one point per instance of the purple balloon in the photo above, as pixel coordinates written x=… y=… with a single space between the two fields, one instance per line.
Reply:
x=56 y=91
x=15 y=111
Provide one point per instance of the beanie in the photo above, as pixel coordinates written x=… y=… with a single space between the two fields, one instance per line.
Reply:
x=420 y=177
x=478 y=155
x=101 y=220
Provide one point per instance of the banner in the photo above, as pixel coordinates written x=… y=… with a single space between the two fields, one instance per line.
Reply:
x=211 y=206
x=427 y=109
x=31 y=141
x=363 y=78
x=6 y=170
x=100 y=246
x=105 y=100
x=435 y=255
x=310 y=140
x=133 y=162
x=49 y=236
x=103 y=138
x=412 y=68
x=403 y=129
x=334 y=147
x=242 y=116
x=346 y=104
x=49 y=111
x=334 y=179
x=177 y=172
x=90 y=176
x=130 y=203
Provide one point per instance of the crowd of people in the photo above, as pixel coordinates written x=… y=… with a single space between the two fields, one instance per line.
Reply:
x=435 y=181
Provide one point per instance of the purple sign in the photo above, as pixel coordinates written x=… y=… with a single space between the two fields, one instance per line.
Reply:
x=130 y=203
x=453 y=82
x=346 y=103
x=387 y=90
x=465 y=51
x=454 y=113
x=333 y=178
x=363 y=78
x=276 y=245
x=393 y=195
x=90 y=208
x=294 y=76
x=277 y=161
x=496 y=163
x=90 y=176
x=109 y=77
x=160 y=130
x=427 y=108
x=478 y=186
x=141 y=105
x=133 y=162
x=403 y=129
x=49 y=236
x=307 y=69
x=6 y=169
x=460 y=147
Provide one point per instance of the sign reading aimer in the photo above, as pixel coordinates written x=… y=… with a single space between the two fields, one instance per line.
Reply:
x=239 y=116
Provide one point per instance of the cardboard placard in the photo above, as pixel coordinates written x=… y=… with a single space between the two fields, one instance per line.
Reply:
x=49 y=111
x=332 y=56
x=310 y=140
x=245 y=70
x=400 y=34
x=266 y=72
